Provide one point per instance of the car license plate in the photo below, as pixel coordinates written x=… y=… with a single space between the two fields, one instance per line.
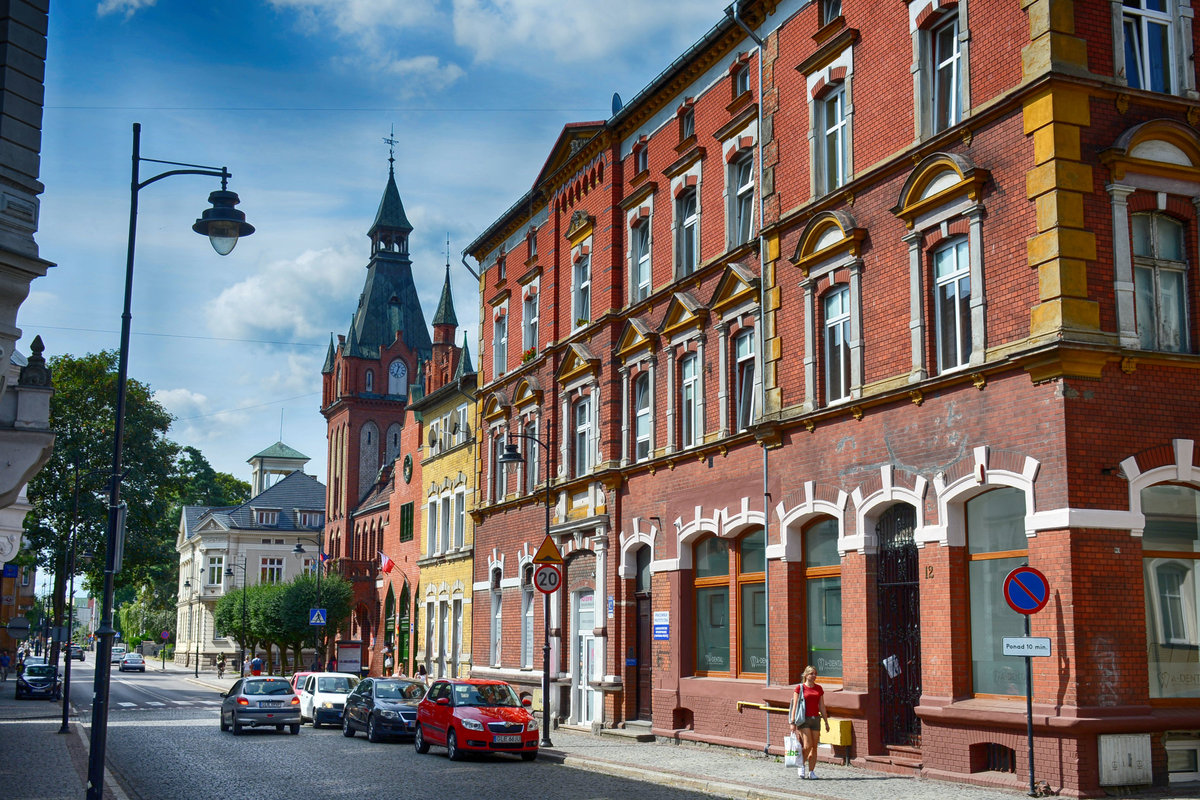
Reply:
x=508 y=739
x=270 y=704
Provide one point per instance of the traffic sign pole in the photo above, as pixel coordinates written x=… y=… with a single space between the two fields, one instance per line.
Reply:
x=1027 y=591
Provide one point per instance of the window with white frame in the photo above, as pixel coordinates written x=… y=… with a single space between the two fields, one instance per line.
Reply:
x=689 y=400
x=641 y=159
x=500 y=343
x=531 y=245
x=1149 y=29
x=456 y=636
x=687 y=123
x=743 y=353
x=837 y=343
x=311 y=519
x=497 y=630
x=946 y=73
x=830 y=10
x=266 y=516
x=742 y=216
x=527 y=609
x=1160 y=282
x=529 y=322
x=499 y=470
x=641 y=417
x=462 y=425
x=216 y=570
x=370 y=381
x=687 y=233
x=531 y=457
x=431 y=543
x=460 y=518
x=582 y=414
x=581 y=292
x=741 y=80
x=447 y=521
x=641 y=260
x=833 y=149
x=952 y=303
x=271 y=570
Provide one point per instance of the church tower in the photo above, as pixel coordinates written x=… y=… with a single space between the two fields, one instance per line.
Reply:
x=368 y=373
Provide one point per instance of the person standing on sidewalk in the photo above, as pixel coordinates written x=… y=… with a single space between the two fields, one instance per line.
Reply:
x=5 y=663
x=806 y=713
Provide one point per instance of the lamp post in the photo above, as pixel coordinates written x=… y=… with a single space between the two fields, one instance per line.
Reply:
x=70 y=559
x=187 y=584
x=299 y=550
x=229 y=574
x=512 y=455
x=223 y=224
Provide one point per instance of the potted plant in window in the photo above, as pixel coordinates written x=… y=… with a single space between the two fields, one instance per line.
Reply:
x=528 y=355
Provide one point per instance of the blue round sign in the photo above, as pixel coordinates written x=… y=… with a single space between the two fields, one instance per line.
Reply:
x=1026 y=590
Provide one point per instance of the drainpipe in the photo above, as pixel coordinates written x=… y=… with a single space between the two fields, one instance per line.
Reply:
x=732 y=13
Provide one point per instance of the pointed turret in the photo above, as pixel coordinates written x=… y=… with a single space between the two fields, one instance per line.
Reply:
x=391 y=227
x=445 y=310
x=329 y=357
x=465 y=367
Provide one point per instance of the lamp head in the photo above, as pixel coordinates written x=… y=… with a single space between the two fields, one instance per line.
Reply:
x=511 y=455
x=187 y=584
x=229 y=572
x=223 y=224
x=299 y=549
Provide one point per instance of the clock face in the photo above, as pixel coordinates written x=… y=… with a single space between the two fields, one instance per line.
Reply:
x=398 y=378
x=398 y=369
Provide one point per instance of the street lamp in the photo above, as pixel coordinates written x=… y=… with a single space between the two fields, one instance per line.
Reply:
x=229 y=574
x=299 y=550
x=187 y=584
x=512 y=455
x=223 y=224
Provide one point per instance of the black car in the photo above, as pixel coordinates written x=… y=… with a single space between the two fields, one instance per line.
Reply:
x=39 y=680
x=383 y=707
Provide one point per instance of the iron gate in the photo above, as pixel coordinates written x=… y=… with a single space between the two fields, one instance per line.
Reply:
x=899 y=601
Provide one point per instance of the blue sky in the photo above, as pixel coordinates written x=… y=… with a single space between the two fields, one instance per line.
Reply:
x=295 y=98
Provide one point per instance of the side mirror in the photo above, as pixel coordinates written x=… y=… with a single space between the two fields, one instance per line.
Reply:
x=224 y=694
x=527 y=702
x=443 y=701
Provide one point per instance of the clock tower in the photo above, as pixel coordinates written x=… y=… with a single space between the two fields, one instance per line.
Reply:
x=367 y=377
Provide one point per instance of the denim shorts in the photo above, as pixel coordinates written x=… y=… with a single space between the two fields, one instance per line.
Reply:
x=812 y=723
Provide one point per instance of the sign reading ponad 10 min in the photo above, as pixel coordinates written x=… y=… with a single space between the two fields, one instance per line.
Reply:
x=1031 y=646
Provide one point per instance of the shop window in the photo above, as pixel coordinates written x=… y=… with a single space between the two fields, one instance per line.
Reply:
x=996 y=545
x=1170 y=549
x=823 y=595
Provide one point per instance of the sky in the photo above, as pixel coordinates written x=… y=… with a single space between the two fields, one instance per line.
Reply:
x=296 y=97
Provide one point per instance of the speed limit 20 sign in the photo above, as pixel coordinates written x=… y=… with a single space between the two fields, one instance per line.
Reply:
x=547 y=578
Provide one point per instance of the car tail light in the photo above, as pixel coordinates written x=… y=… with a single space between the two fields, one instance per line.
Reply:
x=243 y=701
x=295 y=700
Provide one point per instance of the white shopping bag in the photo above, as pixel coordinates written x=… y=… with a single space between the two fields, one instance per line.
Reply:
x=791 y=751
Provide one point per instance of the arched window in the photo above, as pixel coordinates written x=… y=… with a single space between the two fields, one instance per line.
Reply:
x=1170 y=549
x=823 y=595
x=996 y=545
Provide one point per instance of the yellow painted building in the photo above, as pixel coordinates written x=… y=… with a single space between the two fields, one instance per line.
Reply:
x=446 y=533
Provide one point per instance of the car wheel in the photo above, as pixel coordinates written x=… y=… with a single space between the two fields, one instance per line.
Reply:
x=347 y=730
x=295 y=729
x=452 y=751
x=530 y=756
x=224 y=725
x=315 y=722
x=419 y=743
x=279 y=729
x=373 y=730
x=237 y=726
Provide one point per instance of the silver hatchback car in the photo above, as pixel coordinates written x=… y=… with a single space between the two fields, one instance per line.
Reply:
x=260 y=701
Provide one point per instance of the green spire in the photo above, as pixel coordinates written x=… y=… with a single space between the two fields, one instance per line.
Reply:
x=445 y=310
x=464 y=364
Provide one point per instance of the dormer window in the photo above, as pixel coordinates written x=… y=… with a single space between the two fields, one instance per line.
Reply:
x=264 y=516
x=310 y=519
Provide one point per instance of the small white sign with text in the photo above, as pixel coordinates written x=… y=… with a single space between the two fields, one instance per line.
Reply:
x=1034 y=646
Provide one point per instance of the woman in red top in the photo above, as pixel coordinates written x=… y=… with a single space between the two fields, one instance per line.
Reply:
x=806 y=713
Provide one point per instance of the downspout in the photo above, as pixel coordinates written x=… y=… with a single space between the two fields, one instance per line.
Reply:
x=732 y=12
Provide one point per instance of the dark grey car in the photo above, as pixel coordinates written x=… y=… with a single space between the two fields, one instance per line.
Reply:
x=383 y=707
x=260 y=701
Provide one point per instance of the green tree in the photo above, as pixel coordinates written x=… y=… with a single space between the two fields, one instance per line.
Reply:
x=201 y=485
x=301 y=595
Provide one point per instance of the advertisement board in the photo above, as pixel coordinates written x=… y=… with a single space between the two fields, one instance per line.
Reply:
x=349 y=657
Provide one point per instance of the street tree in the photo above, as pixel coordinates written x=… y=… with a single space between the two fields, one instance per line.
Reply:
x=301 y=596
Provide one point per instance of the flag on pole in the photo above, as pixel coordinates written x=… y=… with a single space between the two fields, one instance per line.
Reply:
x=324 y=556
x=385 y=563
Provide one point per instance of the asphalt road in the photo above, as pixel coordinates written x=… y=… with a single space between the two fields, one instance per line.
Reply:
x=164 y=742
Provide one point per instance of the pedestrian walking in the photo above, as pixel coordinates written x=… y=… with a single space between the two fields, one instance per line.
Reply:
x=5 y=663
x=256 y=665
x=221 y=665
x=422 y=674
x=806 y=714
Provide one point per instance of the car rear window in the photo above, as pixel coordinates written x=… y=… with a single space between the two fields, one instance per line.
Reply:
x=267 y=687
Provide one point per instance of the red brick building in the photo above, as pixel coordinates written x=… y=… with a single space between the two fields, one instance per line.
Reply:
x=819 y=360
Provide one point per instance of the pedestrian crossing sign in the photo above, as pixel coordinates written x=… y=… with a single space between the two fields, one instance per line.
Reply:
x=316 y=616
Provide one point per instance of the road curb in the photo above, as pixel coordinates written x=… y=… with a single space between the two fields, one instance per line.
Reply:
x=676 y=780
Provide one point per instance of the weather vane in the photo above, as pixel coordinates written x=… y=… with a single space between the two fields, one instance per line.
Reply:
x=390 y=141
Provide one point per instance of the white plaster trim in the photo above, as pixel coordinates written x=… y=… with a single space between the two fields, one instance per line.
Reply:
x=952 y=498
x=792 y=521
x=1181 y=471
x=864 y=541
x=666 y=565
x=1086 y=518
x=630 y=542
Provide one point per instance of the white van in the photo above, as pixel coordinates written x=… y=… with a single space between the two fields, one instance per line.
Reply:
x=323 y=697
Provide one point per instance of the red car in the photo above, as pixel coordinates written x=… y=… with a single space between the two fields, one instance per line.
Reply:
x=475 y=717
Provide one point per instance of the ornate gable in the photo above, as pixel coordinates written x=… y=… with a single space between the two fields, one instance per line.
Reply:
x=737 y=289
x=683 y=314
x=529 y=393
x=577 y=363
x=637 y=338
x=827 y=236
x=495 y=407
x=936 y=182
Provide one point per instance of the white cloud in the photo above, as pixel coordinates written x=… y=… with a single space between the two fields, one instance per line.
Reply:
x=183 y=403
x=571 y=32
x=290 y=299
x=128 y=7
x=426 y=72
x=358 y=17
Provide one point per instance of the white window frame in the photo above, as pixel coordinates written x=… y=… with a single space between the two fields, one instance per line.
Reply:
x=431 y=529
x=745 y=375
x=741 y=211
x=642 y=273
x=270 y=570
x=1152 y=303
x=687 y=232
x=529 y=322
x=369 y=380
x=1177 y=21
x=216 y=568
x=266 y=516
x=946 y=55
x=837 y=388
x=527 y=613
x=741 y=79
x=500 y=341
x=460 y=518
x=461 y=421
x=691 y=426
x=950 y=355
x=834 y=147
x=581 y=292
x=581 y=440
x=530 y=467
x=496 y=638
x=641 y=159
x=925 y=79
x=643 y=425
x=447 y=510
x=687 y=123
x=499 y=469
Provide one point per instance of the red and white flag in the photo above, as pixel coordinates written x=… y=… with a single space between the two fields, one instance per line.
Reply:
x=385 y=563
